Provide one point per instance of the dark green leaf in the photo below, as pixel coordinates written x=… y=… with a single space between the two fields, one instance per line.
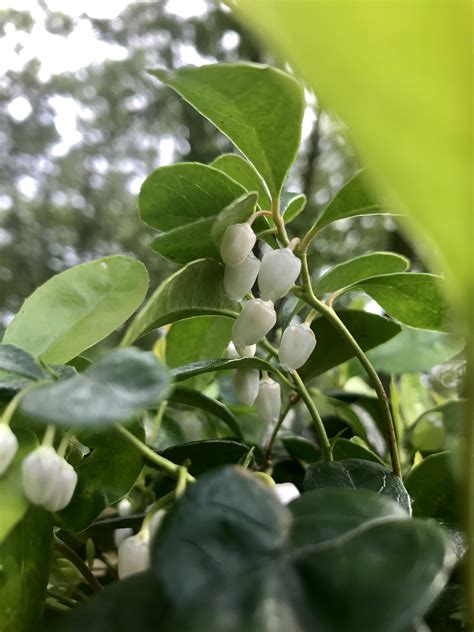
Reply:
x=346 y=449
x=360 y=268
x=77 y=308
x=432 y=348
x=302 y=449
x=353 y=199
x=17 y=368
x=25 y=558
x=417 y=300
x=433 y=489
x=14 y=502
x=244 y=173
x=105 y=476
x=196 y=399
x=226 y=524
x=195 y=290
x=260 y=109
x=331 y=349
x=207 y=455
x=356 y=473
x=114 y=389
x=197 y=368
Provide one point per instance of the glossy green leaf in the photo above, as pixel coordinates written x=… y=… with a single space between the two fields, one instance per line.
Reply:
x=291 y=205
x=331 y=349
x=207 y=455
x=198 y=338
x=104 y=476
x=417 y=300
x=359 y=268
x=114 y=389
x=432 y=348
x=354 y=199
x=195 y=290
x=244 y=173
x=433 y=489
x=356 y=473
x=17 y=368
x=205 y=366
x=302 y=449
x=25 y=558
x=260 y=109
x=77 y=308
x=196 y=399
x=346 y=449
x=225 y=525
x=177 y=195
x=14 y=502
x=236 y=212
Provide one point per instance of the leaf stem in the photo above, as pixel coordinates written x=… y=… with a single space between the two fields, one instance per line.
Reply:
x=327 y=311
x=268 y=450
x=165 y=464
x=313 y=411
x=81 y=566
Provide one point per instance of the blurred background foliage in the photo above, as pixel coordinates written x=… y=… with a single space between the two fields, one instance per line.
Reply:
x=76 y=145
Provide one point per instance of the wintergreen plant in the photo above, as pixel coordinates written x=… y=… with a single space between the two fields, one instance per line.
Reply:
x=359 y=549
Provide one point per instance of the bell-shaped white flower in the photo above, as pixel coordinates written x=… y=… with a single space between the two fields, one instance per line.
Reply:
x=63 y=489
x=296 y=345
x=286 y=492
x=8 y=447
x=268 y=401
x=239 y=279
x=39 y=472
x=134 y=554
x=246 y=384
x=246 y=352
x=237 y=243
x=254 y=321
x=278 y=272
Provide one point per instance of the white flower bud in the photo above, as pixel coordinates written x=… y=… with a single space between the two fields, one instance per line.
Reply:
x=8 y=447
x=278 y=272
x=124 y=507
x=134 y=555
x=297 y=344
x=246 y=383
x=231 y=352
x=268 y=400
x=254 y=321
x=122 y=534
x=155 y=522
x=286 y=492
x=63 y=489
x=239 y=279
x=40 y=471
x=247 y=352
x=237 y=243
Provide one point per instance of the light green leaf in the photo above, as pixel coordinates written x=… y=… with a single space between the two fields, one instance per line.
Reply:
x=77 y=308
x=260 y=109
x=17 y=368
x=291 y=205
x=244 y=173
x=190 y=397
x=195 y=290
x=236 y=212
x=114 y=389
x=417 y=300
x=360 y=268
x=14 y=502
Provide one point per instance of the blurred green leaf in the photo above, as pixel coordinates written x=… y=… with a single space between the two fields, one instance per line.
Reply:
x=77 y=308
x=346 y=449
x=207 y=455
x=17 y=368
x=260 y=109
x=196 y=399
x=205 y=366
x=302 y=449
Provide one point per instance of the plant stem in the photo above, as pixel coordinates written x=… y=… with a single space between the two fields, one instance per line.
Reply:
x=81 y=566
x=279 y=221
x=268 y=450
x=331 y=315
x=165 y=464
x=313 y=411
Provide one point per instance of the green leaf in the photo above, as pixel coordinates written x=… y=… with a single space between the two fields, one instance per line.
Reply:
x=331 y=349
x=25 y=559
x=432 y=348
x=225 y=525
x=104 y=476
x=207 y=455
x=198 y=338
x=205 y=366
x=358 y=269
x=114 y=389
x=291 y=205
x=417 y=300
x=346 y=449
x=260 y=109
x=244 y=173
x=356 y=473
x=302 y=449
x=433 y=489
x=195 y=290
x=77 y=308
x=190 y=397
x=202 y=238
x=17 y=368
x=354 y=199
x=428 y=433
x=14 y=502
x=178 y=195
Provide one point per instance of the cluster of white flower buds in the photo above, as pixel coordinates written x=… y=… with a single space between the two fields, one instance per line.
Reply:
x=134 y=551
